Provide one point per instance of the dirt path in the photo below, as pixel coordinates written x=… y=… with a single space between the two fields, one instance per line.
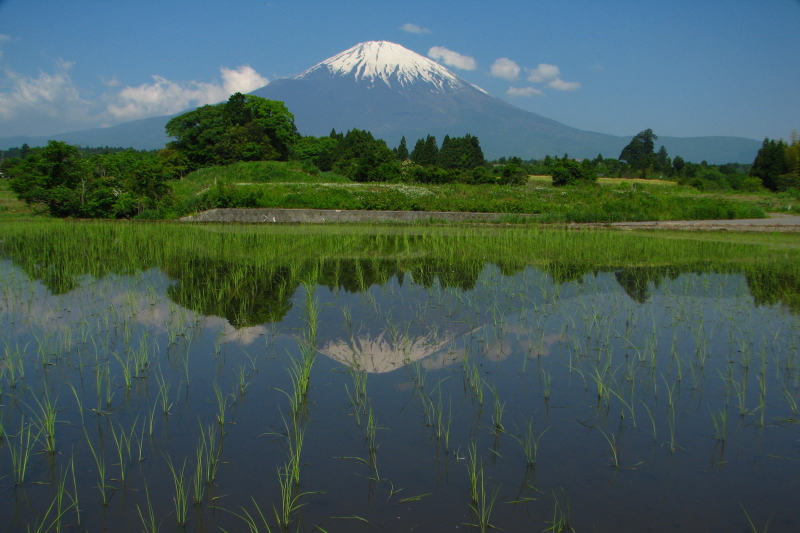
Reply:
x=776 y=222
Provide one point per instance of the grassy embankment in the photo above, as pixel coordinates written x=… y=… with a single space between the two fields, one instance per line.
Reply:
x=10 y=207
x=281 y=185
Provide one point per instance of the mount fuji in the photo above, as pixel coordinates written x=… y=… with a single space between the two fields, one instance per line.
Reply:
x=391 y=91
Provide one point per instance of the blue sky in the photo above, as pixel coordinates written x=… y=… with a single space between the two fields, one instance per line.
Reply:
x=681 y=68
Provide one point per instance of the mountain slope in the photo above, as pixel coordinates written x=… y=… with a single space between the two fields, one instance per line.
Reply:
x=393 y=92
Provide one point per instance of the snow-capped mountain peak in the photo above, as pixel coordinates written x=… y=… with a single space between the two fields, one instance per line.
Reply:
x=390 y=63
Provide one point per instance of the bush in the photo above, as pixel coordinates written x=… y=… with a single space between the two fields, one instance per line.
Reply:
x=568 y=172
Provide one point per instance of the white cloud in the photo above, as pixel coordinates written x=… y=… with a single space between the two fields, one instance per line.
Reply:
x=543 y=73
x=452 y=59
x=51 y=103
x=165 y=97
x=506 y=69
x=4 y=37
x=561 y=85
x=413 y=28
x=46 y=97
x=551 y=75
x=524 y=91
x=111 y=82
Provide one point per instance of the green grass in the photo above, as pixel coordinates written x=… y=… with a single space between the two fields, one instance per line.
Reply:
x=568 y=204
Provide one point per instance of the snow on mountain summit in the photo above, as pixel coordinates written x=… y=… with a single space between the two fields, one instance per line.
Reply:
x=381 y=60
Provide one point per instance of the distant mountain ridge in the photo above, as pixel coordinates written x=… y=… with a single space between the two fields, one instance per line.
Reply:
x=391 y=91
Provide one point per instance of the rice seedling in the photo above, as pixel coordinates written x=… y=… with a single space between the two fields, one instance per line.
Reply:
x=122 y=443
x=750 y=522
x=497 y=415
x=21 y=452
x=561 y=519
x=46 y=422
x=149 y=523
x=211 y=454
x=530 y=444
x=614 y=444
x=221 y=405
x=180 y=496
x=483 y=503
x=720 y=424
x=100 y=462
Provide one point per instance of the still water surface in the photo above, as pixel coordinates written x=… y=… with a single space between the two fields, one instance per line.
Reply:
x=664 y=402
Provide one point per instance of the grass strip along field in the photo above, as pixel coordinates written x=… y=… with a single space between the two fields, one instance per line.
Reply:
x=59 y=252
x=282 y=185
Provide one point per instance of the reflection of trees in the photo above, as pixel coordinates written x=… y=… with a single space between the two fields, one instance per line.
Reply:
x=636 y=280
x=247 y=295
x=769 y=287
x=244 y=295
x=250 y=277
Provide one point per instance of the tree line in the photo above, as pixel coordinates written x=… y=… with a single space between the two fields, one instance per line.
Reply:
x=119 y=183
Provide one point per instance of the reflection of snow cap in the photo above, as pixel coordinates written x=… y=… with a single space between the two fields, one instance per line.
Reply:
x=377 y=355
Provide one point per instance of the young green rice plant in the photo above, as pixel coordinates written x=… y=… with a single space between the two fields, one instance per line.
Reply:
x=163 y=393
x=181 y=494
x=750 y=522
x=122 y=443
x=290 y=497
x=100 y=461
x=198 y=480
x=221 y=405
x=614 y=448
x=21 y=452
x=127 y=375
x=484 y=504
x=472 y=470
x=497 y=415
x=46 y=421
x=561 y=519
x=720 y=424
x=530 y=444
x=149 y=523
x=241 y=381
x=253 y=521
x=212 y=453
x=48 y=524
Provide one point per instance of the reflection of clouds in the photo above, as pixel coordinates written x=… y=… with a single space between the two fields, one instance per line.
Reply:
x=139 y=301
x=379 y=354
x=230 y=334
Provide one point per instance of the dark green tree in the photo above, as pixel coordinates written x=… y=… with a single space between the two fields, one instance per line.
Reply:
x=663 y=162
x=402 y=150
x=639 y=153
x=425 y=152
x=678 y=164
x=245 y=128
x=462 y=153
x=770 y=164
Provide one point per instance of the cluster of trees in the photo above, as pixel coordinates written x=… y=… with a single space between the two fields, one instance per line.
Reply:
x=777 y=164
x=359 y=156
x=69 y=182
x=116 y=183
x=245 y=128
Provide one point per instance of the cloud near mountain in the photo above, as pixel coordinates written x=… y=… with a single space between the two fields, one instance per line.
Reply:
x=165 y=97
x=452 y=59
x=51 y=102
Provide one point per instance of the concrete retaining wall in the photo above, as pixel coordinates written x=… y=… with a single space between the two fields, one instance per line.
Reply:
x=321 y=216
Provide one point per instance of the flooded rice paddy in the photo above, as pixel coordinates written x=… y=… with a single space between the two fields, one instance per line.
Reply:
x=223 y=378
